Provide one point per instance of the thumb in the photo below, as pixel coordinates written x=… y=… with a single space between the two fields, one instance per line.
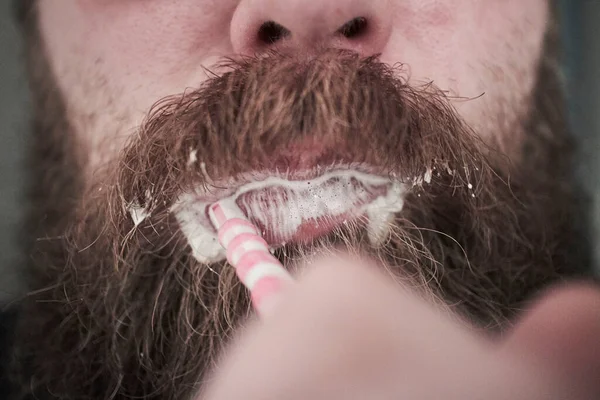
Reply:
x=561 y=333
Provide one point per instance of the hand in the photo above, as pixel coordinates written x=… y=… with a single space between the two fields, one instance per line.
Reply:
x=345 y=332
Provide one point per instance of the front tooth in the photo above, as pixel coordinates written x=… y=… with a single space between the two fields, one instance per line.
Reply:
x=326 y=206
x=333 y=201
x=363 y=194
x=278 y=212
x=295 y=204
x=291 y=214
x=259 y=210
x=349 y=192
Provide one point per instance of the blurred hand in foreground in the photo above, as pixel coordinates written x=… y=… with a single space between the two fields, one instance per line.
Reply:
x=345 y=332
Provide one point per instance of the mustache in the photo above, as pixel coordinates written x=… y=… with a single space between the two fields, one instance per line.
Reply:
x=250 y=118
x=357 y=109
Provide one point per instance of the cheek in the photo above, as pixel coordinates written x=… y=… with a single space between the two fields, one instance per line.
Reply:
x=466 y=34
x=114 y=59
x=419 y=23
x=484 y=54
x=133 y=34
x=135 y=45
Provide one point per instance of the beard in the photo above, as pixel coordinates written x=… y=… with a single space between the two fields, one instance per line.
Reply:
x=122 y=308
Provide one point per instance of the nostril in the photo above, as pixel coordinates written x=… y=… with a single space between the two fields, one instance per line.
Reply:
x=354 y=28
x=271 y=32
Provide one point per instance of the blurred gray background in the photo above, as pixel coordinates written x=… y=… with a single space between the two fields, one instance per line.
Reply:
x=13 y=131
x=582 y=31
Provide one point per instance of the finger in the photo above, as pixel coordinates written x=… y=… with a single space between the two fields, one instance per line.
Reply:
x=561 y=334
x=344 y=331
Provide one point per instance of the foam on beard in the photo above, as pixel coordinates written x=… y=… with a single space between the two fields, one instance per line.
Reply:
x=287 y=210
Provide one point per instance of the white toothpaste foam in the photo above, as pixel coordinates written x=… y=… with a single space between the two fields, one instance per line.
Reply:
x=318 y=199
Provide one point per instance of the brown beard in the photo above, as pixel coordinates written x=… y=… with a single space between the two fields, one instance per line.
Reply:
x=122 y=312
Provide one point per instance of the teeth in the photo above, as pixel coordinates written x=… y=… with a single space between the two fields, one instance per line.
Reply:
x=280 y=207
x=283 y=208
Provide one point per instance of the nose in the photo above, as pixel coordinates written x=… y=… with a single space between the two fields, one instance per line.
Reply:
x=362 y=26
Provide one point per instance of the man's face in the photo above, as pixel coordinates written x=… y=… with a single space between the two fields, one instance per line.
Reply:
x=424 y=134
x=114 y=59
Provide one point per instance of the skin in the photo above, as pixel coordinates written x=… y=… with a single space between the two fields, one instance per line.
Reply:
x=113 y=59
x=364 y=352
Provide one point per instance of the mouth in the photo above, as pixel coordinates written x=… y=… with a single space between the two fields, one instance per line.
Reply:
x=293 y=209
